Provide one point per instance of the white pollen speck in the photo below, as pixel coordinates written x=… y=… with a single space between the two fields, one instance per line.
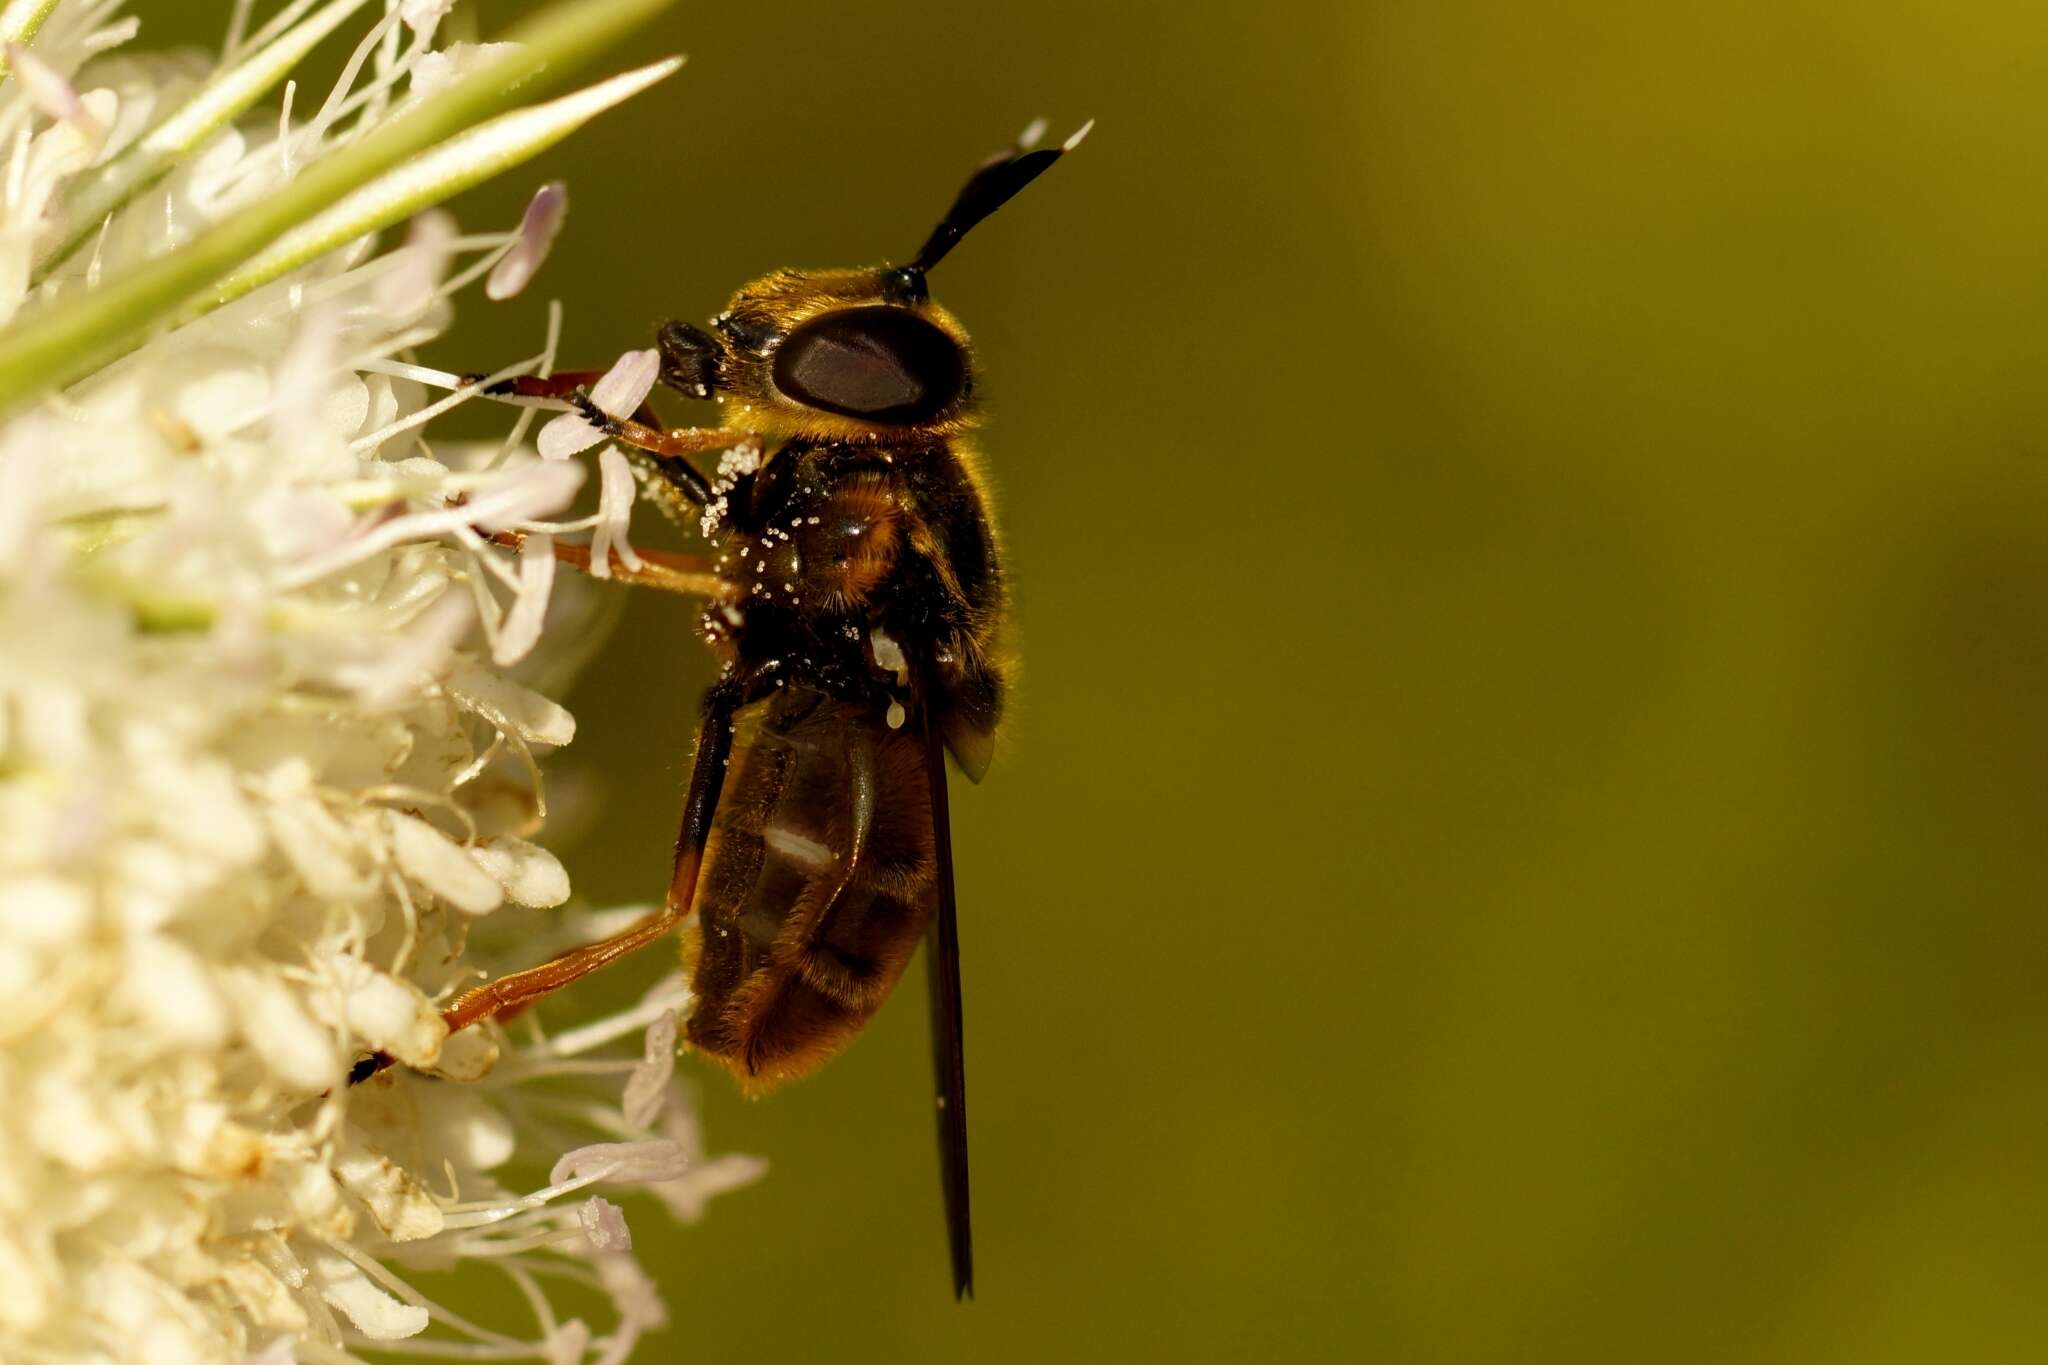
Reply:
x=895 y=715
x=888 y=654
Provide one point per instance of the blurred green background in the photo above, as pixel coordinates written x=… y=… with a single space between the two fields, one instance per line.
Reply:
x=1521 y=836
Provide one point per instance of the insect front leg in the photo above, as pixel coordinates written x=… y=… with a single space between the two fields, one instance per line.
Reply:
x=665 y=450
x=563 y=384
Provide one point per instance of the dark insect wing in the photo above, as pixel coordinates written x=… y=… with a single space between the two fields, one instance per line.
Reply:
x=949 y=1055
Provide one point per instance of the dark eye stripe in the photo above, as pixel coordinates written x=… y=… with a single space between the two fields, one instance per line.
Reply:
x=883 y=364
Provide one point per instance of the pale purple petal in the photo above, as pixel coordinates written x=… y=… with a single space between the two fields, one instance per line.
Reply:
x=537 y=231
x=619 y=393
x=408 y=287
x=49 y=90
x=627 y=383
x=615 y=494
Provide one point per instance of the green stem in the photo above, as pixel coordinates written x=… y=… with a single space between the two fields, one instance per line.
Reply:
x=19 y=22
x=58 y=344
x=223 y=98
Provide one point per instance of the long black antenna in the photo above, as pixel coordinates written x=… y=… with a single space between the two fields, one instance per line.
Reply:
x=993 y=184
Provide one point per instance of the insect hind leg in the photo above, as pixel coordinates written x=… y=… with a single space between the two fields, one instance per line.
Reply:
x=509 y=994
x=512 y=993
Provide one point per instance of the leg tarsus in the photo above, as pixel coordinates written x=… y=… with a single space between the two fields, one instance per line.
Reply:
x=666 y=447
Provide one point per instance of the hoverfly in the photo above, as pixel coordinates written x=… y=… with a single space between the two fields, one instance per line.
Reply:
x=858 y=627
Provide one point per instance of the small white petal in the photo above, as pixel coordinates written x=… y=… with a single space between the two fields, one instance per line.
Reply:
x=654 y=1160
x=327 y=856
x=467 y=1056
x=277 y=1028
x=532 y=491
x=636 y=1297
x=391 y=1015
x=472 y=1132
x=530 y=874
x=47 y=911
x=647 y=1086
x=616 y=490
x=422 y=15
x=436 y=69
x=407 y=663
x=521 y=631
x=401 y=1205
x=685 y=1198
x=374 y=1313
x=569 y=1343
x=605 y=1225
x=25 y=1294
x=441 y=865
x=512 y=707
x=169 y=990
x=537 y=229
x=199 y=805
x=565 y=435
x=526 y=492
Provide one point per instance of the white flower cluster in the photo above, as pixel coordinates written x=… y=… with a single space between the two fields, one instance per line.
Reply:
x=263 y=775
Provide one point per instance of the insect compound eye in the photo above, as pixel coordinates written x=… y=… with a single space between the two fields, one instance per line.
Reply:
x=883 y=364
x=689 y=359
